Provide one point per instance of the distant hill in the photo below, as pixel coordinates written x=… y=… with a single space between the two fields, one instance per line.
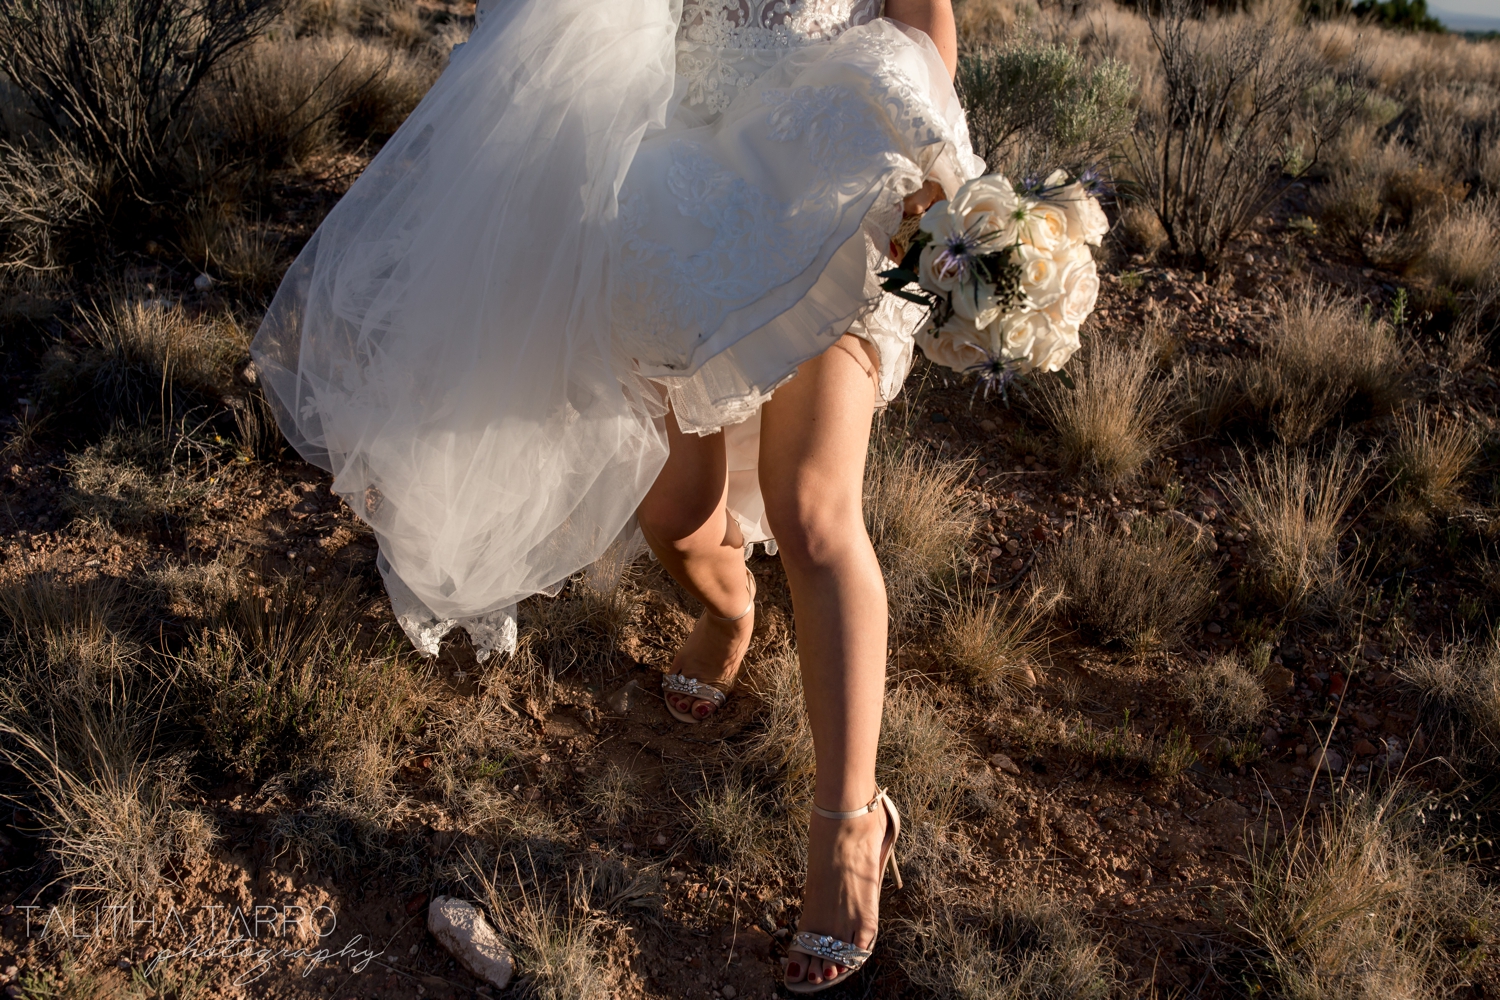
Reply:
x=1455 y=21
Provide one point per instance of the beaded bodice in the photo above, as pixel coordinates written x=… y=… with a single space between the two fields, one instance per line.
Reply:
x=722 y=45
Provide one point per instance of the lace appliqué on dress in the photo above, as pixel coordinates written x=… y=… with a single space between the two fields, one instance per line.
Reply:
x=724 y=45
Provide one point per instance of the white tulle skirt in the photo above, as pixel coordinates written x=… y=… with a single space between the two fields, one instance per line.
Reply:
x=480 y=339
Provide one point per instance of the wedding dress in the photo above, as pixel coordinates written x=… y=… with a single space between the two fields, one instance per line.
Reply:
x=600 y=204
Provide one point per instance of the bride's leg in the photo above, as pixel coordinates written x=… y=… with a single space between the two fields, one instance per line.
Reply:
x=814 y=434
x=685 y=522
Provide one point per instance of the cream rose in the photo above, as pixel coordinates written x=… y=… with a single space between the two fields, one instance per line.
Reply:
x=1078 y=287
x=986 y=207
x=957 y=345
x=1039 y=276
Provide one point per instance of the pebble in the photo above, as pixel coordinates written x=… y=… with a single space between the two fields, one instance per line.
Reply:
x=461 y=928
x=1364 y=748
x=203 y=282
x=1327 y=760
x=1016 y=565
x=1004 y=763
x=988 y=426
x=1012 y=546
x=728 y=992
x=1214 y=628
x=661 y=840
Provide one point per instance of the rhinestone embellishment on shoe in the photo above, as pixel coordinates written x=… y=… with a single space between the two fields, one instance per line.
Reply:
x=692 y=687
x=832 y=949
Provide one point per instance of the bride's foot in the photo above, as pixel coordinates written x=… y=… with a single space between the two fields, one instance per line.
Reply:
x=711 y=656
x=841 y=898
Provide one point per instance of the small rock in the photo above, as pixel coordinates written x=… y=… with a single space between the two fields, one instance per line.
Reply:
x=461 y=928
x=1280 y=681
x=625 y=698
x=661 y=840
x=1301 y=750
x=1364 y=748
x=203 y=282
x=1214 y=628
x=1012 y=546
x=1366 y=720
x=1016 y=565
x=250 y=374
x=1005 y=764
x=728 y=992
x=988 y=426
x=1327 y=760
x=123 y=965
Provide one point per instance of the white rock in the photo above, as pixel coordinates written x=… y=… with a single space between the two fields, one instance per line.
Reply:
x=1327 y=760
x=461 y=929
x=203 y=282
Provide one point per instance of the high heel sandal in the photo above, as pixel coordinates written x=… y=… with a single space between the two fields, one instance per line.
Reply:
x=831 y=949
x=694 y=688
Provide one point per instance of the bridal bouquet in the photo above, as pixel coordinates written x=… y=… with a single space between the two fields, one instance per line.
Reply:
x=1007 y=276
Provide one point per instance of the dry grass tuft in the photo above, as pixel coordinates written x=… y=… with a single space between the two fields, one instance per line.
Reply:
x=995 y=643
x=143 y=357
x=1463 y=247
x=1295 y=505
x=582 y=626
x=1358 y=904
x=1144 y=588
x=613 y=795
x=1024 y=947
x=1325 y=357
x=1430 y=459
x=918 y=523
x=1460 y=691
x=555 y=936
x=1226 y=695
x=131 y=480
x=1110 y=423
x=732 y=826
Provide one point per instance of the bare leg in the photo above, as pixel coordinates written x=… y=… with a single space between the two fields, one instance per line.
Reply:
x=685 y=522
x=814 y=434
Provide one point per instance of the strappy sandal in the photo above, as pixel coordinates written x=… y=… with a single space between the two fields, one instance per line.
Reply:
x=831 y=949
x=694 y=688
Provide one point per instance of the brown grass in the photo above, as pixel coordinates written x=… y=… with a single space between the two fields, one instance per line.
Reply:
x=1295 y=505
x=1359 y=903
x=1224 y=694
x=1325 y=358
x=919 y=524
x=1016 y=946
x=1110 y=423
x=1431 y=458
x=996 y=643
x=136 y=478
x=1463 y=248
x=1460 y=690
x=1144 y=589
x=555 y=934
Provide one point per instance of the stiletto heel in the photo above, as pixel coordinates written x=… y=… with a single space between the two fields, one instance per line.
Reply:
x=831 y=949
x=692 y=687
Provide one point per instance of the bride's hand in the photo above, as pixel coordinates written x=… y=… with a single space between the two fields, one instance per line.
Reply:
x=922 y=199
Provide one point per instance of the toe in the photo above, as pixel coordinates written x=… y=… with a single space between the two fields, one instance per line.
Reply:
x=829 y=970
x=795 y=967
x=702 y=708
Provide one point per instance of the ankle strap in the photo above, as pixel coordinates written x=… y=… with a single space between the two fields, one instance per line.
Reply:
x=870 y=807
x=749 y=589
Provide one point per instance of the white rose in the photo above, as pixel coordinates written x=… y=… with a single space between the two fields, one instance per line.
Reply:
x=1042 y=224
x=975 y=301
x=1078 y=286
x=1086 y=220
x=1061 y=344
x=957 y=345
x=1039 y=276
x=987 y=206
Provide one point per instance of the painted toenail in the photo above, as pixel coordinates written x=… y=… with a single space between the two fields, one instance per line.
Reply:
x=794 y=969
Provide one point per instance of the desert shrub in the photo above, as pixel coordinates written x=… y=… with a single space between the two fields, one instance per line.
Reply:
x=1245 y=107
x=918 y=523
x=1359 y=902
x=1109 y=423
x=1430 y=459
x=1015 y=947
x=286 y=99
x=116 y=80
x=1144 y=589
x=49 y=201
x=139 y=358
x=1405 y=15
x=134 y=479
x=1295 y=504
x=1224 y=693
x=1459 y=687
x=995 y=643
x=1325 y=357
x=1035 y=106
x=579 y=628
